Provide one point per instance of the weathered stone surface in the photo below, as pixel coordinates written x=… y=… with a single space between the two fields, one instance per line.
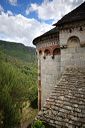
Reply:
x=65 y=107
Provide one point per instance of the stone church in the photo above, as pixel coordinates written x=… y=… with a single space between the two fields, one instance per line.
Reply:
x=61 y=72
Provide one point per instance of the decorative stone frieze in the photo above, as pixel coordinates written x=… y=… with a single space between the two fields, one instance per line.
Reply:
x=47 y=43
x=51 y=49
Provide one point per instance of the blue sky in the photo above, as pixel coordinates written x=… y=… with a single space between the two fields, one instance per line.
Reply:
x=22 y=20
x=18 y=7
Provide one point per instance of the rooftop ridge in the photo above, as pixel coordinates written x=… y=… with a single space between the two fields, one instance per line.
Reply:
x=76 y=14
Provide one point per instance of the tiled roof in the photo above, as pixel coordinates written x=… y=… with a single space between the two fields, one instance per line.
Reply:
x=77 y=14
x=65 y=108
x=50 y=32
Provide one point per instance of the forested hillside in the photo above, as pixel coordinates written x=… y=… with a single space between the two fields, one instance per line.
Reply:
x=18 y=83
x=18 y=51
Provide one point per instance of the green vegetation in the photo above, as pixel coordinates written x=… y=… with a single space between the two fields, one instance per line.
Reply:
x=18 y=51
x=18 y=82
x=38 y=124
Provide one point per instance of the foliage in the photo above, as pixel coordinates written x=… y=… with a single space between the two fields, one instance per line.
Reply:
x=18 y=83
x=11 y=117
x=34 y=103
x=19 y=51
x=38 y=124
x=7 y=105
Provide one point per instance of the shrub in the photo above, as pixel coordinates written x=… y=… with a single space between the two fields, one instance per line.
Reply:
x=38 y=124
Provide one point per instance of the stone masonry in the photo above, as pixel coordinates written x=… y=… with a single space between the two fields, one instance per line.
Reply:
x=65 y=107
x=61 y=72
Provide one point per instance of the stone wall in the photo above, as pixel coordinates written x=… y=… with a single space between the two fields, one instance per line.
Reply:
x=51 y=67
x=72 y=57
x=64 y=35
x=48 y=67
x=50 y=74
x=75 y=55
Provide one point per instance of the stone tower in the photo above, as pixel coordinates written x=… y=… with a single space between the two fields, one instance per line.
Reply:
x=59 y=48
x=48 y=52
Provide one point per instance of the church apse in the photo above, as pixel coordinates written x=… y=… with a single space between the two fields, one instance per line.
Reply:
x=61 y=57
x=48 y=50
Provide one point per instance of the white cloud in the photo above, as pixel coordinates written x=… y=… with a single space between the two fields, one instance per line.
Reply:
x=23 y=30
x=20 y=29
x=1 y=9
x=53 y=9
x=9 y=13
x=13 y=2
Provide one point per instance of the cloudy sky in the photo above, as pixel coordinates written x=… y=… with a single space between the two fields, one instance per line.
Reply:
x=23 y=20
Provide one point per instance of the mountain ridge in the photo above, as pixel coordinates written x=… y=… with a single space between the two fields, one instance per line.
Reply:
x=18 y=50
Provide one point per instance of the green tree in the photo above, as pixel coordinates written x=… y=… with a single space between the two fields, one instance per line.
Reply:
x=18 y=82
x=11 y=116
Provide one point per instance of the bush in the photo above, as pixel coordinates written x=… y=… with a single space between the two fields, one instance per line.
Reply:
x=38 y=124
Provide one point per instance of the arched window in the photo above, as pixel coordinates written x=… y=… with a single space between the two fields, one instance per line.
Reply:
x=73 y=42
x=47 y=52
x=56 y=51
x=40 y=52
